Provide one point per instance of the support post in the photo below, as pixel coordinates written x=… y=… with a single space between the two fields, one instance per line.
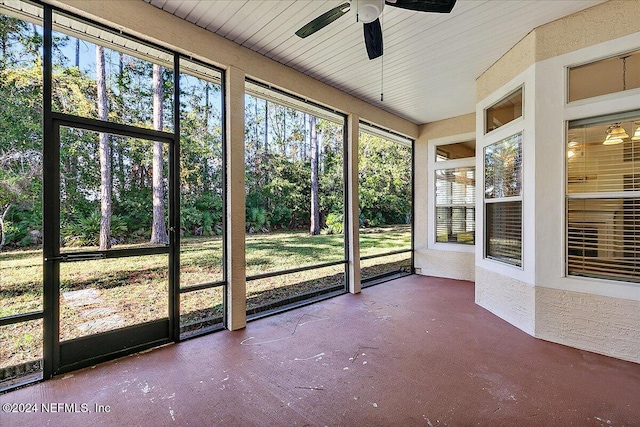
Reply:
x=353 y=221
x=236 y=297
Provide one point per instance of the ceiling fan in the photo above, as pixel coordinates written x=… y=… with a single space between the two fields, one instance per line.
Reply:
x=368 y=12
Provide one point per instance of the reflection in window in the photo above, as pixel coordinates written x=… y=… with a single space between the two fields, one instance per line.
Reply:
x=504 y=111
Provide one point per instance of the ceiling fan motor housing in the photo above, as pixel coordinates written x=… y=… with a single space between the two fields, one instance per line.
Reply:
x=369 y=10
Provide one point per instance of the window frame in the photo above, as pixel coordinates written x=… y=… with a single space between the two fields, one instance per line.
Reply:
x=521 y=117
x=517 y=198
x=434 y=166
x=625 y=116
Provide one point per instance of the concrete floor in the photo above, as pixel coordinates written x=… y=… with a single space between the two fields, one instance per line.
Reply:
x=412 y=352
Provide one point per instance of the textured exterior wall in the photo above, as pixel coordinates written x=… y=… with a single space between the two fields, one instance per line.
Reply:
x=597 y=24
x=429 y=261
x=515 y=61
x=507 y=298
x=150 y=23
x=449 y=264
x=590 y=322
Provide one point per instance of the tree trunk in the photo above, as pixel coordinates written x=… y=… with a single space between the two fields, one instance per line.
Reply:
x=78 y=53
x=105 y=155
x=266 y=126
x=158 y=228
x=3 y=237
x=315 y=208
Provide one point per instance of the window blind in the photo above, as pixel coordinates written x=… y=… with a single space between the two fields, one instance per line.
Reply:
x=504 y=232
x=455 y=205
x=603 y=201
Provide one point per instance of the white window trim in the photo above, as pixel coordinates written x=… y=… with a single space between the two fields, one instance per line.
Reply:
x=519 y=198
x=440 y=165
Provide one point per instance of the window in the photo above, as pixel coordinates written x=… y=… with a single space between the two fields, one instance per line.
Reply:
x=455 y=205
x=457 y=150
x=603 y=197
x=503 y=200
x=606 y=76
x=504 y=111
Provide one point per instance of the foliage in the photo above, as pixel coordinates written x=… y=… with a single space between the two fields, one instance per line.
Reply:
x=85 y=231
x=384 y=177
x=277 y=150
x=335 y=223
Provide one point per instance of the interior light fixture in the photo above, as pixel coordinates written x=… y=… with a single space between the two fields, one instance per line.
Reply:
x=615 y=135
x=636 y=135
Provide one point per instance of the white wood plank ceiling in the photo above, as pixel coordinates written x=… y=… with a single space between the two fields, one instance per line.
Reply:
x=430 y=61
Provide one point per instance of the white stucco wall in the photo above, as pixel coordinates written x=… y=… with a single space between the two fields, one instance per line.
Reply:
x=448 y=260
x=590 y=322
x=506 y=297
x=597 y=315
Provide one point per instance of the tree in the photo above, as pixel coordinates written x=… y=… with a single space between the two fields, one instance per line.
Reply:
x=105 y=155
x=315 y=207
x=158 y=228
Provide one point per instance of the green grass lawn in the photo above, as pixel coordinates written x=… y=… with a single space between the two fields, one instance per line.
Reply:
x=127 y=291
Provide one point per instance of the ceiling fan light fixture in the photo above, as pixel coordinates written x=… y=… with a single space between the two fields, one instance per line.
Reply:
x=369 y=10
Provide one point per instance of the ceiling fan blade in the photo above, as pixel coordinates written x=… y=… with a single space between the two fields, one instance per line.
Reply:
x=437 y=6
x=323 y=20
x=373 y=39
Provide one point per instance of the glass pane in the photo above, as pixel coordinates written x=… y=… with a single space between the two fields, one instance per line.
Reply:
x=128 y=191
x=603 y=238
x=264 y=294
x=20 y=352
x=201 y=175
x=504 y=232
x=398 y=263
x=609 y=75
x=103 y=75
x=103 y=295
x=201 y=310
x=20 y=159
x=459 y=150
x=456 y=186
x=455 y=225
x=504 y=111
x=503 y=168
x=385 y=194
x=604 y=157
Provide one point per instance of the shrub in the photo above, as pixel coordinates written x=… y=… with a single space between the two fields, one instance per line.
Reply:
x=335 y=223
x=85 y=231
